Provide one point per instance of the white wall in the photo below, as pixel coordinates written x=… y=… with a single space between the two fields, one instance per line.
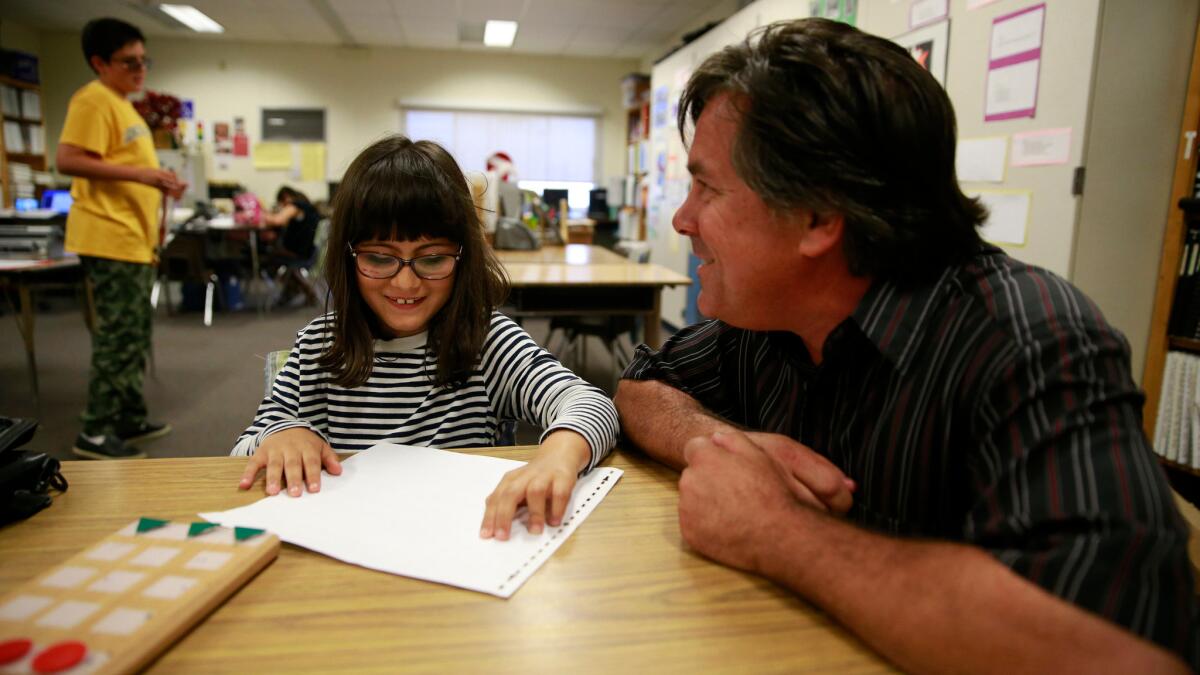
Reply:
x=359 y=88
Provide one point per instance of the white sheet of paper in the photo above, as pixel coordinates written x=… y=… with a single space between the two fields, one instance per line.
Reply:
x=922 y=12
x=416 y=512
x=1017 y=35
x=1008 y=215
x=1036 y=148
x=1012 y=88
x=981 y=160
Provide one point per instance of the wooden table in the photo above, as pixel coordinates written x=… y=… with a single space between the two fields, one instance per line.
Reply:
x=27 y=276
x=623 y=592
x=579 y=280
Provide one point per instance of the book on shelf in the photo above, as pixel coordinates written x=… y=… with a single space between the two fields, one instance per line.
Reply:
x=10 y=100
x=31 y=105
x=14 y=141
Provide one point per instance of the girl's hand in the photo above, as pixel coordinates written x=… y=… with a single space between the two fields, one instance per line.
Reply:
x=296 y=455
x=543 y=485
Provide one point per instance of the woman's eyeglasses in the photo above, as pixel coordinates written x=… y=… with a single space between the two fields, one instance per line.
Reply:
x=134 y=64
x=385 y=266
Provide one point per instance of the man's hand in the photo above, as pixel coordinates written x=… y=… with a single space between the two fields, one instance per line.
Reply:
x=295 y=455
x=732 y=496
x=813 y=479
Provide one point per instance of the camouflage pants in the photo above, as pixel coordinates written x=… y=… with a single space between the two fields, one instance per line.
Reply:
x=120 y=344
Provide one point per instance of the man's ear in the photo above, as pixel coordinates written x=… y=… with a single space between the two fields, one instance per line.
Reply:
x=821 y=234
x=96 y=62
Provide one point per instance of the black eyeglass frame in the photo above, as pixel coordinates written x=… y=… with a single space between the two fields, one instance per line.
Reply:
x=408 y=261
x=133 y=65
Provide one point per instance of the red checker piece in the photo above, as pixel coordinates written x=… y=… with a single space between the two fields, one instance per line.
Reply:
x=59 y=657
x=14 y=650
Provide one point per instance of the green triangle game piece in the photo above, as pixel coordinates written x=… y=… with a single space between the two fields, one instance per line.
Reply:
x=200 y=528
x=244 y=533
x=147 y=524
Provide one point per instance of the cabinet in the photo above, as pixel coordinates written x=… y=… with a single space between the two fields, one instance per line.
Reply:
x=1184 y=215
x=22 y=140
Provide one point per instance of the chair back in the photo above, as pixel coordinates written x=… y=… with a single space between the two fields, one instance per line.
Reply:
x=184 y=259
x=274 y=364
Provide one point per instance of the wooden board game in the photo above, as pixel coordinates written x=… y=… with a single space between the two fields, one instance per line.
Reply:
x=123 y=600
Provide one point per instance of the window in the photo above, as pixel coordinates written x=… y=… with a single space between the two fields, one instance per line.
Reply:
x=293 y=124
x=545 y=148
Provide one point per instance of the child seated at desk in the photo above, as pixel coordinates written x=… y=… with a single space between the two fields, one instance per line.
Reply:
x=414 y=351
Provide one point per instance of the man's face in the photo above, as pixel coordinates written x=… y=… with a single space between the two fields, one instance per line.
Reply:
x=125 y=71
x=750 y=259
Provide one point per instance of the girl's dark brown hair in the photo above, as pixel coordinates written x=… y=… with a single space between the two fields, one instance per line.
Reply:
x=401 y=190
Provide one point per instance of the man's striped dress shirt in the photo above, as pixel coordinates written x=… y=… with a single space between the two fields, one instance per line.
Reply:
x=514 y=379
x=994 y=407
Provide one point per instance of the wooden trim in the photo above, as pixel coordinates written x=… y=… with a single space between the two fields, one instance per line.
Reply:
x=1183 y=344
x=1179 y=467
x=1168 y=268
x=20 y=84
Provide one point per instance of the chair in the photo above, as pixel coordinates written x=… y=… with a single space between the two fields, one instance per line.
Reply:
x=609 y=329
x=506 y=430
x=184 y=260
x=302 y=274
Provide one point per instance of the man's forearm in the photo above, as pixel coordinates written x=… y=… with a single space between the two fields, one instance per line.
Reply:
x=660 y=419
x=944 y=607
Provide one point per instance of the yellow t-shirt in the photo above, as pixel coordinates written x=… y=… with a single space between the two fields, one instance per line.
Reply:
x=113 y=219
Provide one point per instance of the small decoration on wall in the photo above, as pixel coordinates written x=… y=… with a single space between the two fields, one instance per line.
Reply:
x=241 y=142
x=930 y=46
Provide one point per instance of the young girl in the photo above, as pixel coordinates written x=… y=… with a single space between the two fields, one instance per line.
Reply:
x=413 y=351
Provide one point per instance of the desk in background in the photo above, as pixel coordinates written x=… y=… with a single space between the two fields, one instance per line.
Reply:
x=581 y=280
x=623 y=591
x=29 y=275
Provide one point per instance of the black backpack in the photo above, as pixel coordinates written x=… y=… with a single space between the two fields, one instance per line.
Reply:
x=26 y=478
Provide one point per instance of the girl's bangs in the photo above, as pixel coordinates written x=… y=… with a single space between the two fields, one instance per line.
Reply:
x=406 y=205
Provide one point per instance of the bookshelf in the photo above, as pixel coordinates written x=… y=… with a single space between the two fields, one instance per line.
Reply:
x=636 y=94
x=1171 y=327
x=22 y=140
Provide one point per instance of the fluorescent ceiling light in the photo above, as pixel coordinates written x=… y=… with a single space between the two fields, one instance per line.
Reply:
x=499 y=33
x=192 y=18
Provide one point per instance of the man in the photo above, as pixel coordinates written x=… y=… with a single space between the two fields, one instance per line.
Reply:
x=114 y=227
x=936 y=444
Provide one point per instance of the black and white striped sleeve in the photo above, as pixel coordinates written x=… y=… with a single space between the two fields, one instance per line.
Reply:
x=528 y=383
x=297 y=396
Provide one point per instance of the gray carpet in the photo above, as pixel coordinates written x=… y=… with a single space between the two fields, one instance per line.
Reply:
x=206 y=382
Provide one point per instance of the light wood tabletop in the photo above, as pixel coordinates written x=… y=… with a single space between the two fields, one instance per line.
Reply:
x=623 y=592
x=581 y=280
x=571 y=254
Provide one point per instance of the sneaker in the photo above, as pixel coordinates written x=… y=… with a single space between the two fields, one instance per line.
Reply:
x=146 y=431
x=104 y=447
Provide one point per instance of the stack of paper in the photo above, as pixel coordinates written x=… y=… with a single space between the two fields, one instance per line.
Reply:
x=416 y=512
x=1177 y=427
x=14 y=140
x=31 y=105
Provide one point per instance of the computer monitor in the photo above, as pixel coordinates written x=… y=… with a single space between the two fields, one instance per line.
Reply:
x=58 y=201
x=552 y=196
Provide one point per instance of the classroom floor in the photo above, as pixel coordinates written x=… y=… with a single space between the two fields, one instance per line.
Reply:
x=206 y=382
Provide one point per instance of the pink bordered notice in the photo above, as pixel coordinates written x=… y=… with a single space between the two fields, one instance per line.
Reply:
x=1042 y=147
x=1014 y=61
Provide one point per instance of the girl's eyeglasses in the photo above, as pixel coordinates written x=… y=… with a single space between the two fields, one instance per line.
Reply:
x=384 y=266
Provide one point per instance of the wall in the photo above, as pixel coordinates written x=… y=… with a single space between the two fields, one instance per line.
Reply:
x=20 y=37
x=359 y=88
